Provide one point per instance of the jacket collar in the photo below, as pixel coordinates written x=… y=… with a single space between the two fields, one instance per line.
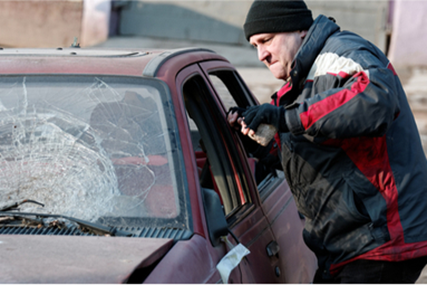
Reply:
x=319 y=32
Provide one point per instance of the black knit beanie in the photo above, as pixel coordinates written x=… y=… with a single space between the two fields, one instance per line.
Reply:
x=277 y=16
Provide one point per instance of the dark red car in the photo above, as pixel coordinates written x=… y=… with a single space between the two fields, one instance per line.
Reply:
x=119 y=166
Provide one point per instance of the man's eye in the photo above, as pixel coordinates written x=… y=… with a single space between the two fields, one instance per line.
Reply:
x=266 y=40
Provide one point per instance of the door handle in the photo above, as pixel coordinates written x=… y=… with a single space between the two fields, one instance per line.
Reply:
x=272 y=248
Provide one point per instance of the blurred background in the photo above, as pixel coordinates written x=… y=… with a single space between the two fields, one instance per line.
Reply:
x=395 y=26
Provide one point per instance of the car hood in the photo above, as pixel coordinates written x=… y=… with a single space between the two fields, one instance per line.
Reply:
x=75 y=259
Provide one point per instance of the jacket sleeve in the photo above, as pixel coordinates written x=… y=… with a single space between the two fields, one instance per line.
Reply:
x=348 y=98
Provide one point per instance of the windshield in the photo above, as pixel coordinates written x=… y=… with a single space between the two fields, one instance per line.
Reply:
x=98 y=149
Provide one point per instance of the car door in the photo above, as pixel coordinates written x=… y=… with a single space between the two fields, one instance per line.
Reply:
x=296 y=262
x=223 y=167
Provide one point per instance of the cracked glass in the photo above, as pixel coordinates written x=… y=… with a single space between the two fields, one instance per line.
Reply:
x=97 y=149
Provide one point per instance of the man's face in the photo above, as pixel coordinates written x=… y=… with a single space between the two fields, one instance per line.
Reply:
x=277 y=50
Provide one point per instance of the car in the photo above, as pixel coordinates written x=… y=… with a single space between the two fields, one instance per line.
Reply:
x=118 y=166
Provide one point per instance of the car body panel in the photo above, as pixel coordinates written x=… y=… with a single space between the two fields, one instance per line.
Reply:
x=87 y=61
x=252 y=228
x=193 y=261
x=266 y=214
x=199 y=220
x=67 y=259
x=279 y=208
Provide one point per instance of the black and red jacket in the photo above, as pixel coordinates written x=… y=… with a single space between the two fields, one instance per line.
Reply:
x=353 y=157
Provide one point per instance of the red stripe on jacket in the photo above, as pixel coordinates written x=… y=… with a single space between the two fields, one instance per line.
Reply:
x=333 y=102
x=379 y=173
x=371 y=158
x=390 y=66
x=285 y=89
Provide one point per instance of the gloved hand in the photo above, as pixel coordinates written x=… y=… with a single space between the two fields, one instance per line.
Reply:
x=267 y=114
x=234 y=115
x=236 y=109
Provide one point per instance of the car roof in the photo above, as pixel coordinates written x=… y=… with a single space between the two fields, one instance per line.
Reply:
x=100 y=61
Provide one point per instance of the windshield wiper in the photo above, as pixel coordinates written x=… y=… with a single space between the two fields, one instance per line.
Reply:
x=96 y=228
x=13 y=205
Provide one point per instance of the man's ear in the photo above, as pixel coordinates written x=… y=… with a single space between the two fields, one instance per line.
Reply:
x=303 y=34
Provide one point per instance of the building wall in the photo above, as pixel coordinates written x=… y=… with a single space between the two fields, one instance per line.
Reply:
x=216 y=21
x=222 y=21
x=39 y=23
x=364 y=17
x=395 y=26
x=409 y=38
x=53 y=23
x=95 y=22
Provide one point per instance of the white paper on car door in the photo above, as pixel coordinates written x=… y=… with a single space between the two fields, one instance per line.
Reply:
x=231 y=260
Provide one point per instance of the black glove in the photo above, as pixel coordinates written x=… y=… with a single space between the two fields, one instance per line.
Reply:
x=267 y=114
x=236 y=109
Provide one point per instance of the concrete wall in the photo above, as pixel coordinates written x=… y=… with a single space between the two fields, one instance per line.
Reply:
x=395 y=26
x=367 y=18
x=95 y=22
x=409 y=38
x=39 y=23
x=53 y=23
x=216 y=21
x=222 y=21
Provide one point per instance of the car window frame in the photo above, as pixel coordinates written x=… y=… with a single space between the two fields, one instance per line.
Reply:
x=249 y=223
x=267 y=186
x=219 y=127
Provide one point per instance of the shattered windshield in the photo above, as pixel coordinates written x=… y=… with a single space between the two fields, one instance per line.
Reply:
x=98 y=149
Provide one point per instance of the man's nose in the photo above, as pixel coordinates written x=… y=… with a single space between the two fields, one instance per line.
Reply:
x=262 y=53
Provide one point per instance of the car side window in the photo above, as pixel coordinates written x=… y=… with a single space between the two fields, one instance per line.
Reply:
x=229 y=87
x=226 y=97
x=233 y=92
x=217 y=156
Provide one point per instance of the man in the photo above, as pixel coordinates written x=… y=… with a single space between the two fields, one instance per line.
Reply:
x=350 y=148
